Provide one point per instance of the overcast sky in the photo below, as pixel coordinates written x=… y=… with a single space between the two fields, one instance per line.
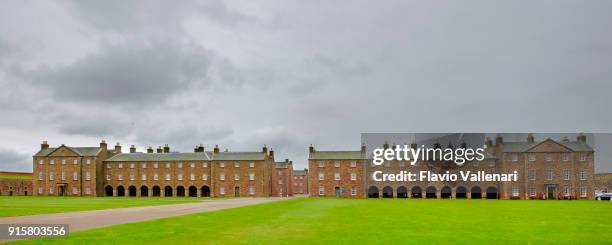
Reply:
x=287 y=73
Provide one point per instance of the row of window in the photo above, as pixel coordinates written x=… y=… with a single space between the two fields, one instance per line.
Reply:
x=337 y=176
x=322 y=191
x=178 y=176
x=74 y=161
x=75 y=190
x=549 y=174
x=337 y=164
x=75 y=176
x=548 y=157
x=251 y=190
x=178 y=165
x=566 y=191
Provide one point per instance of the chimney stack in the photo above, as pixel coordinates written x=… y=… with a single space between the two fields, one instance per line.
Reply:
x=499 y=140
x=286 y=160
x=44 y=145
x=132 y=149
x=463 y=145
x=166 y=148
x=311 y=148
x=530 y=138
x=118 y=148
x=264 y=149
x=363 y=148
x=386 y=145
x=488 y=142
x=271 y=153
x=581 y=138
x=149 y=149
x=199 y=148
x=103 y=144
x=160 y=150
x=216 y=149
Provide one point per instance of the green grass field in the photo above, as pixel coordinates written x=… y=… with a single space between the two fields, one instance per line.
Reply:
x=314 y=220
x=29 y=205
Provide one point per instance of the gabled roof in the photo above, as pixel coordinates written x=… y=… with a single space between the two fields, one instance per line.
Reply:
x=299 y=172
x=336 y=155
x=256 y=156
x=154 y=157
x=81 y=151
x=526 y=146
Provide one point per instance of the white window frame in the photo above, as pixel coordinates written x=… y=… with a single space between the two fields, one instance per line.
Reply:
x=515 y=191
x=532 y=192
x=51 y=175
x=566 y=174
x=236 y=176
x=222 y=165
x=168 y=177
x=88 y=161
x=321 y=190
x=143 y=176
x=514 y=157
x=192 y=176
x=204 y=176
x=221 y=176
x=251 y=176
x=40 y=176
x=549 y=173
x=336 y=176
x=87 y=175
x=179 y=176
x=321 y=164
x=583 y=191
x=321 y=176
x=353 y=191
x=353 y=176
x=236 y=164
x=583 y=175
x=156 y=177
x=222 y=190
x=531 y=157
x=132 y=165
x=251 y=165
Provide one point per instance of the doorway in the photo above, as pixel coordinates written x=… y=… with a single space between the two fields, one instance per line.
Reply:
x=338 y=191
x=62 y=190
x=551 y=192
x=236 y=191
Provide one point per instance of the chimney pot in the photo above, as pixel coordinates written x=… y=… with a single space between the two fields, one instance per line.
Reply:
x=132 y=149
x=44 y=145
x=581 y=138
x=311 y=148
x=149 y=149
x=216 y=149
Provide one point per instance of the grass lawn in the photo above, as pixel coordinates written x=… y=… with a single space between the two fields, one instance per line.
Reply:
x=29 y=205
x=314 y=220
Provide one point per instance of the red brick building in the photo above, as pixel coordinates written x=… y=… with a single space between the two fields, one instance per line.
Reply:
x=282 y=180
x=300 y=182
x=336 y=173
x=15 y=184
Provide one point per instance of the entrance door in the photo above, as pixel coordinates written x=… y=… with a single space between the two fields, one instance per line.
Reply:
x=338 y=192
x=62 y=190
x=550 y=192
x=237 y=191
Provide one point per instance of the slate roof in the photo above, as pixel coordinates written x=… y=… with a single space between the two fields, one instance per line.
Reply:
x=524 y=146
x=299 y=172
x=239 y=156
x=155 y=157
x=82 y=151
x=336 y=155
x=282 y=164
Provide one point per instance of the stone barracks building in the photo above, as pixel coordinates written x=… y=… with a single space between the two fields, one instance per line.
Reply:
x=99 y=171
x=15 y=184
x=300 y=182
x=546 y=169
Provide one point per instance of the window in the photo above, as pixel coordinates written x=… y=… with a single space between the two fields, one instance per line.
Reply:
x=387 y=163
x=321 y=190
x=88 y=161
x=251 y=176
x=40 y=190
x=51 y=190
x=280 y=182
x=52 y=161
x=167 y=165
x=337 y=164
x=75 y=190
x=51 y=176
x=515 y=191
x=108 y=177
x=41 y=162
x=566 y=174
x=549 y=173
x=236 y=176
x=353 y=176
x=321 y=164
x=155 y=165
x=204 y=176
x=353 y=164
x=514 y=157
x=321 y=176
x=87 y=190
x=548 y=157
x=179 y=177
x=132 y=177
x=75 y=162
x=63 y=161
x=192 y=164
x=251 y=165
x=120 y=177
x=402 y=163
x=40 y=176
x=143 y=177
x=205 y=165
x=532 y=192
x=252 y=190
x=87 y=175
x=583 y=157
x=155 y=177
x=222 y=190
x=108 y=165
x=583 y=191
x=75 y=176
x=192 y=176
x=353 y=191
x=221 y=176
x=180 y=165
x=132 y=165
x=583 y=175
x=532 y=174
x=143 y=165
x=565 y=157
x=532 y=157
x=337 y=176
x=566 y=192
x=168 y=177
x=222 y=165
x=120 y=165
x=236 y=165
x=63 y=176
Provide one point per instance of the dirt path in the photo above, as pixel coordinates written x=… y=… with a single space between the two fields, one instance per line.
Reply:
x=84 y=220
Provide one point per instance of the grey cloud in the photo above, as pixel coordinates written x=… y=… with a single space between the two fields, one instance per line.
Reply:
x=11 y=160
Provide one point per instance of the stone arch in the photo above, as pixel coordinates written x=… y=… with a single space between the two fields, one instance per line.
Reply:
x=402 y=192
x=430 y=192
x=205 y=191
x=387 y=192
x=373 y=192
x=193 y=191
x=156 y=191
x=120 y=191
x=108 y=191
x=132 y=191
x=144 y=191
x=167 y=191
x=492 y=192
x=416 y=192
x=476 y=193
x=180 y=191
x=446 y=192
x=461 y=192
